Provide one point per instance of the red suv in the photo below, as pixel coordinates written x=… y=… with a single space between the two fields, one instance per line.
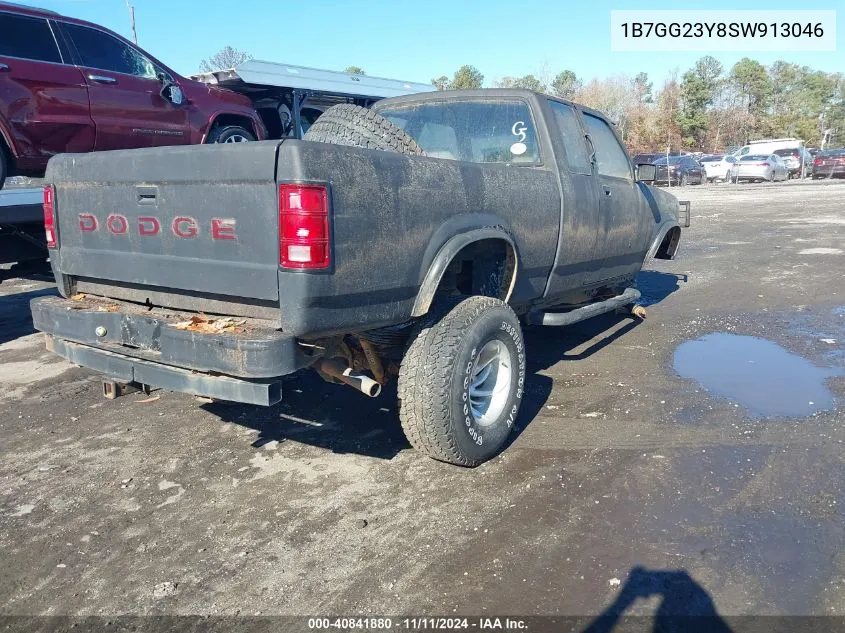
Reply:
x=72 y=86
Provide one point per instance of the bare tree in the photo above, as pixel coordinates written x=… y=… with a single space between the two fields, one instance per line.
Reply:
x=615 y=96
x=227 y=57
x=354 y=70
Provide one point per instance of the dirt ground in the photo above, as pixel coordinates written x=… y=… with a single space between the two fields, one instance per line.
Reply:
x=319 y=506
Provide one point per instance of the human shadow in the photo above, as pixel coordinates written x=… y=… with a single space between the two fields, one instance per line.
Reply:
x=685 y=606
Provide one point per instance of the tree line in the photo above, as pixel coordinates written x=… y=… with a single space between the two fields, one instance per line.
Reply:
x=708 y=108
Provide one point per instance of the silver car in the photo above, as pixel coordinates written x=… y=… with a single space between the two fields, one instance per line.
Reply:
x=759 y=168
x=798 y=161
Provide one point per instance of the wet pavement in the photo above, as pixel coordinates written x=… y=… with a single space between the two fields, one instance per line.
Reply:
x=640 y=480
x=759 y=375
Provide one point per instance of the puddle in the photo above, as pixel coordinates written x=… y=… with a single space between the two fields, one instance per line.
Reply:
x=757 y=374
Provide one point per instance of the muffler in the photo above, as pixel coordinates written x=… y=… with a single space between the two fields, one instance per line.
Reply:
x=338 y=370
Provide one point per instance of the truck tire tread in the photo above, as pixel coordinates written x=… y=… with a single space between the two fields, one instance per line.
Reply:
x=426 y=375
x=351 y=125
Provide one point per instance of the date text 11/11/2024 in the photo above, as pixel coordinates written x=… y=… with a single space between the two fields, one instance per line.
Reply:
x=416 y=624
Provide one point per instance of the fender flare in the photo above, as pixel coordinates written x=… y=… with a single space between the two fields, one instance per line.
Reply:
x=447 y=253
x=662 y=232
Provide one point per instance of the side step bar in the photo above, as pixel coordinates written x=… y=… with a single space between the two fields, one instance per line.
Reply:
x=579 y=314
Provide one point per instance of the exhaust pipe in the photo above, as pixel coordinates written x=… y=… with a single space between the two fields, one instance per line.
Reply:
x=338 y=370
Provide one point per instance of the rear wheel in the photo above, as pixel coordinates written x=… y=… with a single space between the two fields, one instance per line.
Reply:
x=347 y=124
x=461 y=382
x=230 y=134
x=684 y=181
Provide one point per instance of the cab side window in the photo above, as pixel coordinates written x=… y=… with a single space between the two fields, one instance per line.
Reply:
x=104 y=52
x=574 y=143
x=610 y=157
x=27 y=38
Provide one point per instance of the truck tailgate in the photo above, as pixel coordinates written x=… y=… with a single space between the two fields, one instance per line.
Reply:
x=194 y=219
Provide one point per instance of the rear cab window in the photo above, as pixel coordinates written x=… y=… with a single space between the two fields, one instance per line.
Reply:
x=27 y=37
x=475 y=131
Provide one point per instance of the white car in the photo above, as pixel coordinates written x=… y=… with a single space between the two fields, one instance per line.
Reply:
x=717 y=166
x=759 y=168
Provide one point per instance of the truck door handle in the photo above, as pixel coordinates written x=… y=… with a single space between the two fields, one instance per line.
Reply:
x=102 y=79
x=606 y=190
x=4 y=68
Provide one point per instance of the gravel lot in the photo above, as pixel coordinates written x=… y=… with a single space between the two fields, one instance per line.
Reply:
x=167 y=505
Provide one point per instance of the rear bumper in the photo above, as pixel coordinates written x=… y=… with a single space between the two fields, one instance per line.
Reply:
x=829 y=171
x=750 y=174
x=129 y=344
x=134 y=370
x=663 y=180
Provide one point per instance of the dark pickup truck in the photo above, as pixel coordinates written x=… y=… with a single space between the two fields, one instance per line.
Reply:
x=411 y=240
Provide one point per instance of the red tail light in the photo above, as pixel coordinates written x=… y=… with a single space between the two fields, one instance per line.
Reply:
x=50 y=216
x=762 y=164
x=304 y=238
x=817 y=161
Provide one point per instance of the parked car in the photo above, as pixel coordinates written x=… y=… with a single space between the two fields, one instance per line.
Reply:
x=829 y=163
x=650 y=157
x=717 y=166
x=769 y=146
x=411 y=239
x=798 y=161
x=678 y=170
x=72 y=86
x=759 y=168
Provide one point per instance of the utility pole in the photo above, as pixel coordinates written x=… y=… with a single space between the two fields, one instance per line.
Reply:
x=132 y=21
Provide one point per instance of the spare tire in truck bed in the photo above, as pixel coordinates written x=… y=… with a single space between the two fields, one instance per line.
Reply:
x=348 y=124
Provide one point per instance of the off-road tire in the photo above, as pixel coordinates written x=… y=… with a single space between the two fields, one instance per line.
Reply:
x=223 y=133
x=351 y=125
x=434 y=381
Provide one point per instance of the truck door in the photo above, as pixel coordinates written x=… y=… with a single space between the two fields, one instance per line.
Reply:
x=625 y=223
x=579 y=229
x=44 y=101
x=125 y=92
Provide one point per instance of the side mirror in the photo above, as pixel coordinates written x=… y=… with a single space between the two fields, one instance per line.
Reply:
x=173 y=94
x=646 y=173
